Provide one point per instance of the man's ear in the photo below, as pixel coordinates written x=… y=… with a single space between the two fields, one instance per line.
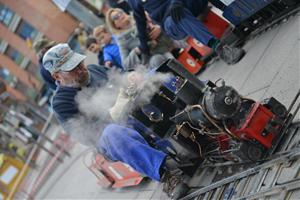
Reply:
x=56 y=76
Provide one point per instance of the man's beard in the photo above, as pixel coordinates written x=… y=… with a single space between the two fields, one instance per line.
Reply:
x=84 y=80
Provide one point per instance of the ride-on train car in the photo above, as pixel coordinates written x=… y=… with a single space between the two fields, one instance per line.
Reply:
x=245 y=20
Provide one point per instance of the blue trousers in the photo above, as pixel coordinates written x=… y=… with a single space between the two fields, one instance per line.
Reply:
x=120 y=143
x=189 y=25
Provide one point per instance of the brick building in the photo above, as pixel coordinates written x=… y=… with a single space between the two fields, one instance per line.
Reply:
x=22 y=23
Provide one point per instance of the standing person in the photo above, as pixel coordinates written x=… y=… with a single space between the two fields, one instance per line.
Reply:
x=81 y=37
x=178 y=19
x=123 y=27
x=92 y=45
x=87 y=30
x=111 y=52
x=119 y=143
x=40 y=48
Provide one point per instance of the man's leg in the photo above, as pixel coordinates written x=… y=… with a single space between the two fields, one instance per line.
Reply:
x=189 y=25
x=218 y=4
x=156 y=60
x=124 y=144
x=196 y=7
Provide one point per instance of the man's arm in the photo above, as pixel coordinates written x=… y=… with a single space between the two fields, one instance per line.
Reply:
x=141 y=23
x=177 y=1
x=176 y=9
x=65 y=107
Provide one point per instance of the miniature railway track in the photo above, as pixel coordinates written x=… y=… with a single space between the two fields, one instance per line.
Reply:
x=279 y=176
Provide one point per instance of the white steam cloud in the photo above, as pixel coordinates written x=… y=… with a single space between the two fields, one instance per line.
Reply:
x=94 y=103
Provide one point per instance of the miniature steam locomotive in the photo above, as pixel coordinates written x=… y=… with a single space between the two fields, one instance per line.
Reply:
x=211 y=121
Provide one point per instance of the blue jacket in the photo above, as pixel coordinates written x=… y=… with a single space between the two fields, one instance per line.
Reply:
x=157 y=9
x=111 y=53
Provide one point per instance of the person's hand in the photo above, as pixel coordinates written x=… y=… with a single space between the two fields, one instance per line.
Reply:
x=134 y=80
x=108 y=64
x=153 y=44
x=155 y=32
x=176 y=11
x=137 y=51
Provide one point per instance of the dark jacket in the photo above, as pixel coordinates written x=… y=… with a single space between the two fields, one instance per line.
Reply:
x=123 y=5
x=45 y=74
x=111 y=53
x=100 y=58
x=157 y=9
x=64 y=104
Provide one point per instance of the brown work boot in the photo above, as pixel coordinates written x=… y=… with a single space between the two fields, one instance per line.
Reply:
x=173 y=184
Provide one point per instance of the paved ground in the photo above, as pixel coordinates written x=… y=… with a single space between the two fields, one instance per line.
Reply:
x=270 y=68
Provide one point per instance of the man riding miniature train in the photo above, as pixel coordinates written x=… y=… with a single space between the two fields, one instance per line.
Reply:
x=178 y=19
x=117 y=142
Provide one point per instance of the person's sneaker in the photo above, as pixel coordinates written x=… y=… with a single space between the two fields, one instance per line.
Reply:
x=173 y=184
x=230 y=55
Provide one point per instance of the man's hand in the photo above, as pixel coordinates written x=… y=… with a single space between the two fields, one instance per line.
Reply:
x=134 y=78
x=134 y=83
x=176 y=11
x=155 y=32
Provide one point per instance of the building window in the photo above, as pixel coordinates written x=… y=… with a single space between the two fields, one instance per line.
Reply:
x=28 y=92
x=26 y=31
x=14 y=55
x=6 y=15
x=5 y=75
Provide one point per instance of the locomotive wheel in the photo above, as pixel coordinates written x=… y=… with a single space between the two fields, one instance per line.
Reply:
x=252 y=151
x=179 y=191
x=275 y=107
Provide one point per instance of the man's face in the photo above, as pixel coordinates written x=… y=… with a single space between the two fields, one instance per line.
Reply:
x=94 y=47
x=78 y=77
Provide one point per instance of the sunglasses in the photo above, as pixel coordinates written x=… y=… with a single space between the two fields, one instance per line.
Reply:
x=117 y=16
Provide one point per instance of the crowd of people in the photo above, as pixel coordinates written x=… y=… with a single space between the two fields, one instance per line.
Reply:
x=124 y=44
